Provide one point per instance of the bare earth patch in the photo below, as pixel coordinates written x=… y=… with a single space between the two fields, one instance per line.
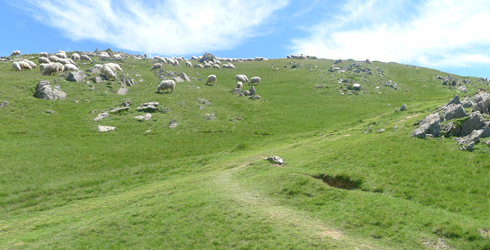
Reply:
x=436 y=244
x=337 y=235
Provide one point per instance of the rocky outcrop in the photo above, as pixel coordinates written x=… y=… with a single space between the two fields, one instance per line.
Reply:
x=454 y=111
x=430 y=125
x=45 y=91
x=474 y=122
x=148 y=107
x=482 y=103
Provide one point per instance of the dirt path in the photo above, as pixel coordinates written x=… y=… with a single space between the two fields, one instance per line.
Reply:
x=406 y=118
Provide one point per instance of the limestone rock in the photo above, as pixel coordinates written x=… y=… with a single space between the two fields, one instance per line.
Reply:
x=204 y=101
x=101 y=116
x=209 y=116
x=118 y=110
x=146 y=117
x=78 y=76
x=185 y=77
x=455 y=100
x=429 y=125
x=101 y=128
x=276 y=160
x=252 y=91
x=122 y=90
x=473 y=123
x=467 y=104
x=454 y=111
x=337 y=61
x=177 y=79
x=206 y=57
x=403 y=107
x=148 y=107
x=44 y=90
x=482 y=102
x=93 y=70
x=97 y=79
x=173 y=124
x=3 y=104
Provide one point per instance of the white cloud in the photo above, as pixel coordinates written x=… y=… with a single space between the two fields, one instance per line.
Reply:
x=435 y=33
x=171 y=27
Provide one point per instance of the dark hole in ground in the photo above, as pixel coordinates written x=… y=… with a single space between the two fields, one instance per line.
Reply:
x=339 y=181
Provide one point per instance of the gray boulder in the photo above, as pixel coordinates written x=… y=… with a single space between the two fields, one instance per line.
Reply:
x=455 y=100
x=463 y=89
x=45 y=91
x=129 y=81
x=206 y=57
x=185 y=77
x=177 y=79
x=101 y=116
x=482 y=103
x=467 y=104
x=209 y=116
x=403 y=107
x=148 y=107
x=337 y=61
x=97 y=79
x=173 y=124
x=485 y=130
x=454 y=111
x=146 y=117
x=474 y=136
x=252 y=91
x=122 y=90
x=473 y=123
x=93 y=70
x=78 y=76
x=429 y=125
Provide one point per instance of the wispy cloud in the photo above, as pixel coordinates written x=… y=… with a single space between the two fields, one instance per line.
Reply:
x=434 y=33
x=171 y=27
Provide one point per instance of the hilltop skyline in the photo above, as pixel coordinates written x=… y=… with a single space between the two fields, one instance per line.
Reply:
x=444 y=35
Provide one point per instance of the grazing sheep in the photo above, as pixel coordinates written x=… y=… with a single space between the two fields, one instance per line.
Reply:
x=239 y=85
x=107 y=71
x=211 y=79
x=61 y=51
x=216 y=66
x=70 y=67
x=188 y=64
x=114 y=66
x=15 y=53
x=63 y=61
x=197 y=65
x=42 y=66
x=33 y=65
x=156 y=66
x=43 y=54
x=241 y=78
x=98 y=66
x=61 y=54
x=165 y=85
x=16 y=66
x=207 y=65
x=254 y=79
x=44 y=60
x=71 y=61
x=53 y=58
x=25 y=65
x=52 y=68
x=85 y=57
x=75 y=57
x=194 y=58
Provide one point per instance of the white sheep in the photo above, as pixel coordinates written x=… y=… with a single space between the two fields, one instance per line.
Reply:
x=43 y=54
x=61 y=54
x=254 y=79
x=107 y=71
x=25 y=65
x=157 y=66
x=32 y=64
x=241 y=78
x=42 y=66
x=15 y=53
x=63 y=61
x=211 y=79
x=71 y=67
x=207 y=65
x=16 y=66
x=75 y=57
x=194 y=58
x=239 y=85
x=53 y=58
x=216 y=66
x=52 y=68
x=197 y=65
x=188 y=64
x=114 y=66
x=98 y=66
x=165 y=85
x=44 y=60
x=85 y=57
x=71 y=61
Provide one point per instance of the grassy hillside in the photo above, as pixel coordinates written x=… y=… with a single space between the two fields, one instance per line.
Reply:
x=205 y=184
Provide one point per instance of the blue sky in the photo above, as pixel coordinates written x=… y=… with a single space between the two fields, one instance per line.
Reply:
x=448 y=35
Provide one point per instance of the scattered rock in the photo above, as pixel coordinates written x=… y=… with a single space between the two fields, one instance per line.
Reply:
x=173 y=124
x=177 y=79
x=455 y=100
x=337 y=61
x=93 y=70
x=118 y=110
x=473 y=137
x=368 y=129
x=473 y=123
x=101 y=128
x=44 y=90
x=129 y=81
x=148 y=107
x=429 y=125
x=201 y=107
x=122 y=90
x=252 y=91
x=3 y=104
x=381 y=130
x=185 y=77
x=101 y=116
x=76 y=76
x=144 y=117
x=275 y=160
x=454 y=111
x=209 y=116
x=125 y=104
x=204 y=101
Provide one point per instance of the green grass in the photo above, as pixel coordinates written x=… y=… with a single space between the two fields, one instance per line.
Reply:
x=205 y=184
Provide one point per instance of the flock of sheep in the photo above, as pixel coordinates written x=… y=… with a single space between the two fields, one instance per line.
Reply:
x=59 y=62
